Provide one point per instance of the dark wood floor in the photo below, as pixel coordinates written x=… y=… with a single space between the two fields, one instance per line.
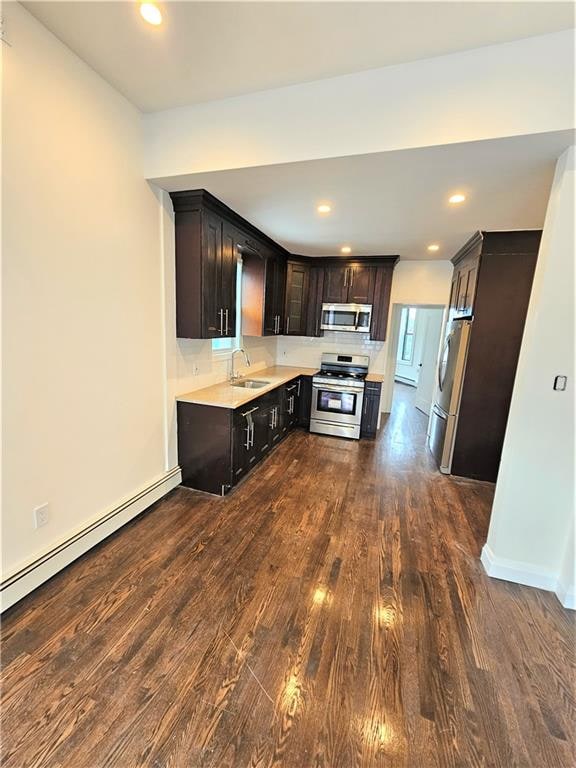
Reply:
x=330 y=612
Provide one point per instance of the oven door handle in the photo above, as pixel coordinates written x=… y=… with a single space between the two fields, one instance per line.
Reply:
x=341 y=390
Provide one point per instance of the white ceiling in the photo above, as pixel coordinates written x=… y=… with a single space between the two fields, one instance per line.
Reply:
x=212 y=50
x=393 y=202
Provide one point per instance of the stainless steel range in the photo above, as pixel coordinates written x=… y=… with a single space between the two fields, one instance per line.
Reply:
x=338 y=394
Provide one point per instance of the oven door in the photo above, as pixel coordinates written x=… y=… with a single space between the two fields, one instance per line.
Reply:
x=341 y=405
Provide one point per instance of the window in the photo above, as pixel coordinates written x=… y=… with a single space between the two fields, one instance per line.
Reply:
x=407 y=328
x=219 y=345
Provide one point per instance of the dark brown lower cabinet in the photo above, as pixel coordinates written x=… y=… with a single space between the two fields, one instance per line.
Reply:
x=217 y=447
x=305 y=401
x=370 y=409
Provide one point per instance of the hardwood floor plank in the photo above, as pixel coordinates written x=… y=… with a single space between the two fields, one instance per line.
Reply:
x=331 y=612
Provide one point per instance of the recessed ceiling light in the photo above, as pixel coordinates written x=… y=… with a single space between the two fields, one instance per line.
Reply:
x=433 y=247
x=324 y=208
x=345 y=249
x=458 y=198
x=151 y=13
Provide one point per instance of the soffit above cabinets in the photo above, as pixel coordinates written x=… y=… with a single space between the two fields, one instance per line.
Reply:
x=393 y=202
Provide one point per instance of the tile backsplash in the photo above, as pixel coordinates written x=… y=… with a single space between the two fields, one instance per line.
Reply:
x=300 y=350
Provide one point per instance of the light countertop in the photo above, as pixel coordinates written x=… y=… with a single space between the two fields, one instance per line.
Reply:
x=224 y=395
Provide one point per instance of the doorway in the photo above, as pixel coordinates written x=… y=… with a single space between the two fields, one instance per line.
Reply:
x=412 y=358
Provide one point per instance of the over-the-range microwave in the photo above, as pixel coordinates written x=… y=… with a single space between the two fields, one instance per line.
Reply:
x=346 y=317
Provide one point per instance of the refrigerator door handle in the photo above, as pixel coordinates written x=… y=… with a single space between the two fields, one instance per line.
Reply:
x=443 y=357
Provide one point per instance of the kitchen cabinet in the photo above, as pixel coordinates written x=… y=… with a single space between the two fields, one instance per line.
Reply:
x=205 y=272
x=463 y=290
x=314 y=308
x=370 y=409
x=263 y=285
x=297 y=297
x=305 y=401
x=381 y=304
x=349 y=283
x=336 y=285
x=275 y=278
x=361 y=284
x=292 y=403
x=217 y=447
x=492 y=282
x=281 y=294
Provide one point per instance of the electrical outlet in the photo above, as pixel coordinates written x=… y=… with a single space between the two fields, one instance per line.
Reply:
x=41 y=516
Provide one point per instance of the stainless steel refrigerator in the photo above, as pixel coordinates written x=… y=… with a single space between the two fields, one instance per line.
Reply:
x=444 y=415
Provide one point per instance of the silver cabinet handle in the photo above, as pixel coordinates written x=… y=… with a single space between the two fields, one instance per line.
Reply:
x=351 y=277
x=298 y=385
x=226 y=321
x=221 y=313
x=287 y=325
x=346 y=277
x=252 y=435
x=247 y=443
x=289 y=389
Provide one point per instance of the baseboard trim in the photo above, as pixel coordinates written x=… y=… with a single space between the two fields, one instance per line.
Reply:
x=28 y=577
x=566 y=595
x=527 y=574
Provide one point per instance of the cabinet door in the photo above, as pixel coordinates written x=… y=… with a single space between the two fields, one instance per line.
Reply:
x=230 y=238
x=292 y=390
x=275 y=417
x=468 y=302
x=280 y=291
x=297 y=283
x=243 y=454
x=262 y=433
x=454 y=291
x=381 y=304
x=361 y=284
x=370 y=410
x=272 y=313
x=305 y=401
x=212 y=315
x=315 y=294
x=336 y=285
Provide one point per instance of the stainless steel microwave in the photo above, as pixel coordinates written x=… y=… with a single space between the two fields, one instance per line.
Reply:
x=346 y=317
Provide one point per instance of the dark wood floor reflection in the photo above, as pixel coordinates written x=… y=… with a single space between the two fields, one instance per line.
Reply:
x=331 y=612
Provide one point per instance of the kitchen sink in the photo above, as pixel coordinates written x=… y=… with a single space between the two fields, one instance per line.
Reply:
x=250 y=383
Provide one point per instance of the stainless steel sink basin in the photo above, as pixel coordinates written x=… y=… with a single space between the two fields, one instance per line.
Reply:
x=250 y=383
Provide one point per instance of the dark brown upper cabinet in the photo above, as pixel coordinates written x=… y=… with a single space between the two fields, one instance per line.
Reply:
x=361 y=284
x=281 y=293
x=297 y=298
x=263 y=284
x=349 y=283
x=274 y=295
x=315 y=293
x=206 y=256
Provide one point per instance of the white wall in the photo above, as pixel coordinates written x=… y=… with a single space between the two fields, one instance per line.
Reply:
x=83 y=389
x=510 y=89
x=534 y=506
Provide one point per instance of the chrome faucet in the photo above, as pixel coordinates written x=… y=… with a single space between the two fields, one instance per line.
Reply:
x=233 y=374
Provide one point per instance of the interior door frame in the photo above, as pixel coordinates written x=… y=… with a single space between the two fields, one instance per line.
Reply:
x=392 y=351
